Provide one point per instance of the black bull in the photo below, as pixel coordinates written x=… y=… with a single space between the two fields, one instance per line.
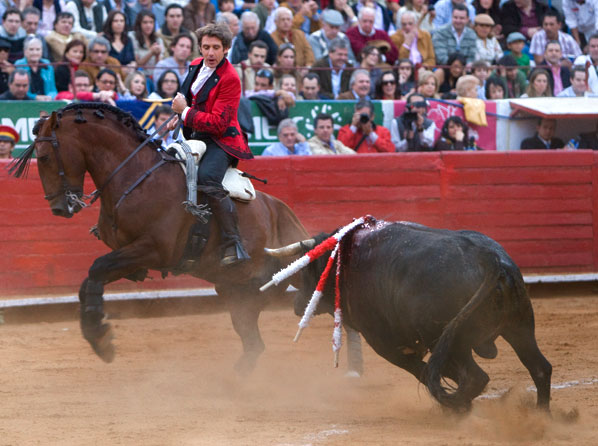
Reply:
x=410 y=289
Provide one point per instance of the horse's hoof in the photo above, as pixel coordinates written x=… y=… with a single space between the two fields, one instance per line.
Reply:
x=100 y=338
x=102 y=344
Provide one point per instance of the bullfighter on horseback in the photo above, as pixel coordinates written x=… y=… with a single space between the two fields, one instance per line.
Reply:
x=208 y=107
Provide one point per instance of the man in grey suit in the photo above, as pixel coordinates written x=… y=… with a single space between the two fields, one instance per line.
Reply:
x=334 y=71
x=456 y=37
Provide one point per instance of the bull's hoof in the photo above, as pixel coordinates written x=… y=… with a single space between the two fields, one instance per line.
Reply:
x=486 y=350
x=246 y=364
x=99 y=335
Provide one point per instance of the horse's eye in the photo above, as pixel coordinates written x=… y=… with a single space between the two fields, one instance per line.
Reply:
x=43 y=159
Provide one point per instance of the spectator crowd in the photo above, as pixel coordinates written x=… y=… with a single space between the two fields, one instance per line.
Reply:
x=295 y=50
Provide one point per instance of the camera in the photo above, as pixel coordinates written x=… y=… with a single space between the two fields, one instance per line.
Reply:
x=409 y=116
x=364 y=118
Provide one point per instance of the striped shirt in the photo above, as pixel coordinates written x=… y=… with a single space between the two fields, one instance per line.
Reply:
x=569 y=46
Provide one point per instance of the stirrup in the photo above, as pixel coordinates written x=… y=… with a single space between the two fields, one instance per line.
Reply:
x=199 y=211
x=234 y=255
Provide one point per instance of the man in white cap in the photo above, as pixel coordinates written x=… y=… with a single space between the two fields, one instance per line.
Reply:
x=332 y=20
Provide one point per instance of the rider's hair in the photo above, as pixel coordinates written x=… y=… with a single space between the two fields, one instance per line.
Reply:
x=219 y=31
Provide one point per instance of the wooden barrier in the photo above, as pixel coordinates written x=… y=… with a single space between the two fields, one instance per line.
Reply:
x=542 y=206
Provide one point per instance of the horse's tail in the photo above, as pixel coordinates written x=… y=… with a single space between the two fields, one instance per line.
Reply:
x=447 y=343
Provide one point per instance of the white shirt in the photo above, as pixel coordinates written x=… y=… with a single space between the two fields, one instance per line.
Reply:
x=77 y=28
x=458 y=37
x=592 y=75
x=336 y=79
x=583 y=17
x=204 y=74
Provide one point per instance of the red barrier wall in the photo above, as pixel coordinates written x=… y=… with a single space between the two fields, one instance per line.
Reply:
x=542 y=206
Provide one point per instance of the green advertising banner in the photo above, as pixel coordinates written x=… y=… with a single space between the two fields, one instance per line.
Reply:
x=22 y=115
x=304 y=114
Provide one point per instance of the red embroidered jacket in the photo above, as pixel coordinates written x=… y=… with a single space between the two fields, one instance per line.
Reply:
x=213 y=110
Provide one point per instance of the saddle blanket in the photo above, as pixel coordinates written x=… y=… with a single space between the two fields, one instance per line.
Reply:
x=239 y=187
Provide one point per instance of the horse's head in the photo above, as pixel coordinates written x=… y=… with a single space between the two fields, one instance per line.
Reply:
x=60 y=165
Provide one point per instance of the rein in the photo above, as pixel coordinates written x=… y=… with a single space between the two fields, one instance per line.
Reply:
x=96 y=194
x=74 y=195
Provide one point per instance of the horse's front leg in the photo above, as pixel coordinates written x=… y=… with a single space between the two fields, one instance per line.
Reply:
x=108 y=268
x=91 y=311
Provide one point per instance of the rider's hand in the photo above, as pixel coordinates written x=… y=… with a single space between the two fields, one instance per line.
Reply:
x=172 y=124
x=179 y=103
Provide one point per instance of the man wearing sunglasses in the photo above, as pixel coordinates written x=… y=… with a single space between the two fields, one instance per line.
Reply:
x=413 y=131
x=98 y=59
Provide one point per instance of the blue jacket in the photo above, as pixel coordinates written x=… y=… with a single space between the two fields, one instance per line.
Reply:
x=47 y=73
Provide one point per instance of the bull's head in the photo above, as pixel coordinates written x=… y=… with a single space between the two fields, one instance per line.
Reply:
x=292 y=249
x=309 y=275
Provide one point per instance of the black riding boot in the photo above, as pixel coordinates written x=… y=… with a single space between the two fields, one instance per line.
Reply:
x=225 y=212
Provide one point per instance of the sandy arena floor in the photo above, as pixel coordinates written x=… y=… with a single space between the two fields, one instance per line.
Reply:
x=172 y=383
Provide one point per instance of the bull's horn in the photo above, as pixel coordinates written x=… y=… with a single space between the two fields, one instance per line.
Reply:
x=292 y=249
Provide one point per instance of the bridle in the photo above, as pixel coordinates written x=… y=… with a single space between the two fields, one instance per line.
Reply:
x=74 y=195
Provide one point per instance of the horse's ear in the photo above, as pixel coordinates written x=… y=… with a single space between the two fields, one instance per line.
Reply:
x=53 y=120
x=38 y=125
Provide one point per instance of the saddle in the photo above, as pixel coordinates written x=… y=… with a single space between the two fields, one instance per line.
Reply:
x=238 y=186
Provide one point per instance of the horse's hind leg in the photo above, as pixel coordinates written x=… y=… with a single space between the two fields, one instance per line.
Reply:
x=244 y=312
x=522 y=339
x=106 y=269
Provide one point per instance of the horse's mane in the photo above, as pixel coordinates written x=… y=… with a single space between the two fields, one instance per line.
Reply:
x=20 y=166
x=125 y=117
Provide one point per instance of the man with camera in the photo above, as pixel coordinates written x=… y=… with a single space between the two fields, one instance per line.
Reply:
x=413 y=131
x=363 y=135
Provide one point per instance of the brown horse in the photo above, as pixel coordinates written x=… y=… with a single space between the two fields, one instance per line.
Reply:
x=143 y=221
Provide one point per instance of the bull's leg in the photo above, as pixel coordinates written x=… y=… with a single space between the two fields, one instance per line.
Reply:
x=244 y=312
x=474 y=380
x=354 y=356
x=523 y=341
x=106 y=269
x=411 y=363
x=469 y=380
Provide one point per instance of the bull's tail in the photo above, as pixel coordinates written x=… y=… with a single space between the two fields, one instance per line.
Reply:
x=441 y=354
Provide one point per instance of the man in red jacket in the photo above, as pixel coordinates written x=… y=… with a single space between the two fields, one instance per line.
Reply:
x=362 y=135
x=208 y=111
